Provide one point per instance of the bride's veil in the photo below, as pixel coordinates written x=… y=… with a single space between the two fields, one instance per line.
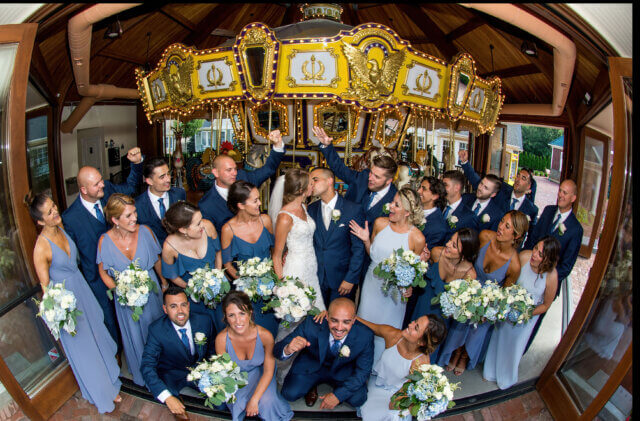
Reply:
x=275 y=201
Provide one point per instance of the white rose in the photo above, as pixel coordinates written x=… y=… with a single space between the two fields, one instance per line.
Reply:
x=297 y=312
x=486 y=218
x=199 y=336
x=345 y=351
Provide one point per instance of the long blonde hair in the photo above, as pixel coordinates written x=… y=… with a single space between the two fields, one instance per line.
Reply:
x=411 y=202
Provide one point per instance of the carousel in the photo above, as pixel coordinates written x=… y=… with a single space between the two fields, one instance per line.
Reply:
x=370 y=90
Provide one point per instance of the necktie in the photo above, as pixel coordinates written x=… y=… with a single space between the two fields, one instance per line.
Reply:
x=99 y=214
x=370 y=199
x=162 y=208
x=555 y=223
x=446 y=211
x=335 y=348
x=477 y=209
x=326 y=215
x=513 y=204
x=185 y=340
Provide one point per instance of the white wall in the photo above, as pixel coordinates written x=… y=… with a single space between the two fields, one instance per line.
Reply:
x=119 y=123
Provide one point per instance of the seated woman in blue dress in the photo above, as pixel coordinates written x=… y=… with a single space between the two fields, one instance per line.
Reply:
x=124 y=243
x=92 y=351
x=498 y=262
x=251 y=347
x=508 y=342
x=453 y=261
x=248 y=234
x=192 y=243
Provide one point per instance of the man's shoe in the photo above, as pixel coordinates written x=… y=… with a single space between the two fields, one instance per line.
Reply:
x=311 y=397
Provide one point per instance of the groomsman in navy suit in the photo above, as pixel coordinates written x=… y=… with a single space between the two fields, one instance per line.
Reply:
x=172 y=346
x=371 y=188
x=213 y=204
x=339 y=253
x=559 y=221
x=152 y=204
x=84 y=221
x=337 y=351
x=488 y=212
x=456 y=213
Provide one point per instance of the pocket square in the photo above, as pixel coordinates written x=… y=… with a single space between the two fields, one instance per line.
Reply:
x=341 y=225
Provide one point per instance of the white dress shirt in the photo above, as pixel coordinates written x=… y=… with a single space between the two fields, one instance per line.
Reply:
x=563 y=216
x=453 y=206
x=483 y=205
x=428 y=212
x=519 y=201
x=222 y=191
x=165 y=393
x=379 y=195
x=331 y=341
x=90 y=206
x=327 y=209
x=154 y=201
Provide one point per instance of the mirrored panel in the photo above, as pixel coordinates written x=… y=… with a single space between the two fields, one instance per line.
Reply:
x=254 y=57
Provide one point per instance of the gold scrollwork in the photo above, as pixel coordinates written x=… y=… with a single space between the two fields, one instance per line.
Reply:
x=475 y=101
x=426 y=85
x=335 y=120
x=463 y=68
x=214 y=81
x=283 y=117
x=423 y=82
x=384 y=138
x=253 y=38
x=176 y=76
x=313 y=76
x=214 y=75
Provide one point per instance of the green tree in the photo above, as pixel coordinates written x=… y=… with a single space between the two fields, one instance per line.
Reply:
x=535 y=139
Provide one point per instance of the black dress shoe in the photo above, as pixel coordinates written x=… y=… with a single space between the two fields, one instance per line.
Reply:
x=311 y=397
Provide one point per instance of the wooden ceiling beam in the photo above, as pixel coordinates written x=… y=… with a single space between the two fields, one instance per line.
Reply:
x=42 y=73
x=430 y=29
x=525 y=69
x=177 y=17
x=219 y=14
x=58 y=21
x=600 y=98
x=349 y=15
x=464 y=29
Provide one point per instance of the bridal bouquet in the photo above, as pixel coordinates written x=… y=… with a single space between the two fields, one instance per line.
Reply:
x=399 y=271
x=462 y=300
x=133 y=286
x=292 y=300
x=494 y=302
x=58 y=309
x=207 y=285
x=425 y=394
x=218 y=379
x=256 y=278
x=519 y=304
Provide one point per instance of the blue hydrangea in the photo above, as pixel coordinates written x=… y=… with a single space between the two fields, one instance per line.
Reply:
x=142 y=300
x=405 y=273
x=385 y=267
x=204 y=382
x=437 y=407
x=491 y=314
x=513 y=315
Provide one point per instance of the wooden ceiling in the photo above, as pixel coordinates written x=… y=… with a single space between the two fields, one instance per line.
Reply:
x=441 y=30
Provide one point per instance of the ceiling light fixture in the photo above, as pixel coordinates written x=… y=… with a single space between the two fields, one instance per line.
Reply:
x=529 y=48
x=587 y=99
x=114 y=30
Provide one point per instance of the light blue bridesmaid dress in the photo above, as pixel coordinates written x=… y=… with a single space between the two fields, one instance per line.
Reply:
x=134 y=334
x=92 y=351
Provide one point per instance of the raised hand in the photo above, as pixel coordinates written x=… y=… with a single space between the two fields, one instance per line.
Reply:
x=134 y=155
x=463 y=155
x=426 y=254
x=329 y=401
x=296 y=345
x=322 y=135
x=358 y=231
x=276 y=138
x=407 y=292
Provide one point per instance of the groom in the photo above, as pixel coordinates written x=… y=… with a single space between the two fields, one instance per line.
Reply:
x=339 y=253
x=337 y=351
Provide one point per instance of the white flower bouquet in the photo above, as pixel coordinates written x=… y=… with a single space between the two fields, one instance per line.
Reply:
x=425 y=394
x=256 y=278
x=133 y=286
x=218 y=379
x=292 y=300
x=519 y=304
x=58 y=309
x=399 y=271
x=494 y=302
x=462 y=300
x=207 y=285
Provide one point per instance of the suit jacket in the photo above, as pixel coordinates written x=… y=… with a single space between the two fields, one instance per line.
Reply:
x=214 y=207
x=351 y=372
x=339 y=253
x=148 y=216
x=466 y=219
x=165 y=359
x=570 y=239
x=492 y=210
x=85 y=229
x=435 y=230
x=358 y=181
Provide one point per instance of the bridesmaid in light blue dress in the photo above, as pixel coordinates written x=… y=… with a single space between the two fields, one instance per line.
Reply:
x=248 y=234
x=124 y=243
x=251 y=347
x=397 y=231
x=92 y=351
x=499 y=251
x=192 y=243
x=540 y=278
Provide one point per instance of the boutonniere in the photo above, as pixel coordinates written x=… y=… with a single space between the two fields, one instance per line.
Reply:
x=486 y=218
x=385 y=208
x=335 y=215
x=345 y=351
x=452 y=220
x=562 y=229
x=200 y=339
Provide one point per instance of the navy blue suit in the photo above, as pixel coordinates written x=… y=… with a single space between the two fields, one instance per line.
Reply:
x=148 y=216
x=339 y=253
x=435 y=230
x=85 y=230
x=466 y=219
x=358 y=181
x=165 y=358
x=347 y=375
x=214 y=207
x=494 y=213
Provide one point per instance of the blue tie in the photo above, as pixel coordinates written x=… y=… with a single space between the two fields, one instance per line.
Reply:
x=99 y=214
x=446 y=211
x=370 y=199
x=185 y=340
x=162 y=208
x=477 y=209
x=513 y=204
x=555 y=223
x=335 y=348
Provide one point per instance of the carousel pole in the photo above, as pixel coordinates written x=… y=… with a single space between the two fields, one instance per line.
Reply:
x=212 y=127
x=246 y=130
x=433 y=140
x=219 y=128
x=269 y=131
x=414 y=141
x=347 y=150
